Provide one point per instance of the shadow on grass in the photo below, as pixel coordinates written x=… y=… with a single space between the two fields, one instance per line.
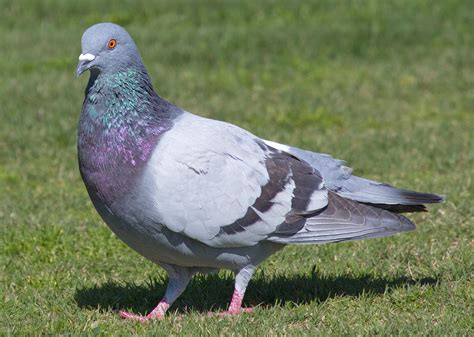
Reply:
x=212 y=292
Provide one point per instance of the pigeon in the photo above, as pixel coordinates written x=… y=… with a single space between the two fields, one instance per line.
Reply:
x=196 y=195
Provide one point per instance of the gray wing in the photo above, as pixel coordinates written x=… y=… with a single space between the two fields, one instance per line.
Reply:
x=220 y=185
x=346 y=220
x=339 y=179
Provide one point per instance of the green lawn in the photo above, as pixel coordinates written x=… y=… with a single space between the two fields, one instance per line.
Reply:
x=386 y=85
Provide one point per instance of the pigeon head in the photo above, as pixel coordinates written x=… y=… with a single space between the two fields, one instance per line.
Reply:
x=107 y=48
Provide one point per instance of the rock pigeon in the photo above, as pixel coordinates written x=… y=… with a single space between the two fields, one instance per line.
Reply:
x=196 y=195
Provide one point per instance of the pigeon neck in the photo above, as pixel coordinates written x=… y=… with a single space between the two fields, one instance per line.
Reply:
x=125 y=99
x=121 y=122
x=123 y=90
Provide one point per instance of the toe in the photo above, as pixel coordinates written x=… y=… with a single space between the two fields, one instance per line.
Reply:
x=230 y=312
x=133 y=317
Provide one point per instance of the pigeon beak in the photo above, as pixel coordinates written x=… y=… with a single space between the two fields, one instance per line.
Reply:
x=84 y=63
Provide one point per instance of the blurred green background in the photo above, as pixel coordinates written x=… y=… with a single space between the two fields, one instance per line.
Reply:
x=386 y=85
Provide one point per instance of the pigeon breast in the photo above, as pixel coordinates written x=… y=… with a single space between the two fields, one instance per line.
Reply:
x=121 y=122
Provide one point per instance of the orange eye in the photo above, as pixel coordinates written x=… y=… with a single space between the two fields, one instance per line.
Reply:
x=111 y=44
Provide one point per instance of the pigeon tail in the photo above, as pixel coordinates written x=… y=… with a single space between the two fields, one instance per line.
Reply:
x=387 y=197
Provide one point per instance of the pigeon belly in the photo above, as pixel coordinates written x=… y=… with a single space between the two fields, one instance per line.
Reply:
x=163 y=246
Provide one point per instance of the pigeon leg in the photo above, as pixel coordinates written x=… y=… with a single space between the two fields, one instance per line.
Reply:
x=242 y=279
x=178 y=280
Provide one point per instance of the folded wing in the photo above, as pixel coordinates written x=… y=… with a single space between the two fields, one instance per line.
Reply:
x=222 y=186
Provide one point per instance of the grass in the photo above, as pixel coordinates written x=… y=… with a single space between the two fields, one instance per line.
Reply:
x=388 y=86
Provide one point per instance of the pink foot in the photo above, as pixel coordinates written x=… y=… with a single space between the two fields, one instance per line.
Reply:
x=230 y=312
x=235 y=307
x=157 y=313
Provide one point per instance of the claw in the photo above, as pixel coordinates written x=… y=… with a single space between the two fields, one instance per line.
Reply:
x=157 y=313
